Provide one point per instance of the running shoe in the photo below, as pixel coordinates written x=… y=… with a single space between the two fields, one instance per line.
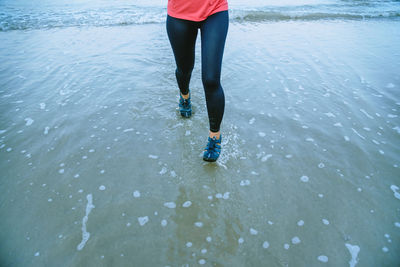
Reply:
x=185 y=107
x=213 y=149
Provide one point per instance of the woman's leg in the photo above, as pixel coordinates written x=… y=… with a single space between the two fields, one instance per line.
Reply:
x=213 y=35
x=182 y=36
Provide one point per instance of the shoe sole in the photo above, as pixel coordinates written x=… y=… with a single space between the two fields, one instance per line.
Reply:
x=209 y=160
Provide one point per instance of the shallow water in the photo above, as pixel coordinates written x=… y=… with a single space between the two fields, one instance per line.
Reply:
x=98 y=168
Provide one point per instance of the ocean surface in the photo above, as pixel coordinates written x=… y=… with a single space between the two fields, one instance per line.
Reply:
x=97 y=168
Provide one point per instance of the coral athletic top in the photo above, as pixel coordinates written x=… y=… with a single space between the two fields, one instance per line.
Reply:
x=195 y=10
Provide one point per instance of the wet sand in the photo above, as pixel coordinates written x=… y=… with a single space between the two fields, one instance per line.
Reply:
x=98 y=169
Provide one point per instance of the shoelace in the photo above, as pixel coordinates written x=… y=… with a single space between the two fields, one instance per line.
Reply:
x=212 y=145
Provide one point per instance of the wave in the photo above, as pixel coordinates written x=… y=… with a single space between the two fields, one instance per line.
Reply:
x=23 y=19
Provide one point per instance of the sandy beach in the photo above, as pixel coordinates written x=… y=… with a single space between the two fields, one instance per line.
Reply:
x=98 y=168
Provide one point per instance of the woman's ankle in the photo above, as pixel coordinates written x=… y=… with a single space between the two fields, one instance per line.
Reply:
x=217 y=135
x=185 y=96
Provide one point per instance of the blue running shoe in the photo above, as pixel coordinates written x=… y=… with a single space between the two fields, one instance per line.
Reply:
x=213 y=149
x=185 y=107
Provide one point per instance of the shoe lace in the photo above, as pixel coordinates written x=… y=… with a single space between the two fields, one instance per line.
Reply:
x=213 y=144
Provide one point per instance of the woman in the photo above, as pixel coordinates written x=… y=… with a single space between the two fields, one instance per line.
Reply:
x=184 y=19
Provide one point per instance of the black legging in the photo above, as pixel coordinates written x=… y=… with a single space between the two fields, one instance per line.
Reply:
x=182 y=36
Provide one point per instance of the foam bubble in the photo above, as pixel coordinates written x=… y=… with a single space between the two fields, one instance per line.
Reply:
x=300 y=223
x=240 y=240
x=266 y=157
x=265 y=244
x=153 y=156
x=253 y=231
x=29 y=121
x=170 y=205
x=163 y=170
x=286 y=246
x=143 y=220
x=187 y=204
x=85 y=234
x=244 y=182
x=198 y=224
x=164 y=223
x=46 y=130
x=323 y=258
x=136 y=194
x=189 y=244
x=102 y=187
x=202 y=261
x=304 y=178
x=296 y=240
x=394 y=188
x=325 y=221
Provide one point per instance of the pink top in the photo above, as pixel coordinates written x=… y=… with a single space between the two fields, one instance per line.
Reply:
x=195 y=10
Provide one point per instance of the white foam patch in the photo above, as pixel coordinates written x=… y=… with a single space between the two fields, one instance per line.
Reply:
x=187 y=204
x=102 y=187
x=266 y=157
x=136 y=194
x=397 y=224
x=189 y=244
x=338 y=124
x=153 y=156
x=296 y=240
x=330 y=114
x=394 y=189
x=143 y=220
x=304 y=178
x=29 y=121
x=325 y=221
x=366 y=114
x=198 y=224
x=357 y=133
x=128 y=130
x=164 y=223
x=163 y=170
x=226 y=195
x=46 y=130
x=252 y=120
x=170 y=205
x=300 y=223
x=244 y=182
x=322 y=258
x=266 y=244
x=262 y=134
x=240 y=240
x=253 y=231
x=397 y=129
x=85 y=233
x=42 y=105
x=3 y=131
x=202 y=261
x=286 y=246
